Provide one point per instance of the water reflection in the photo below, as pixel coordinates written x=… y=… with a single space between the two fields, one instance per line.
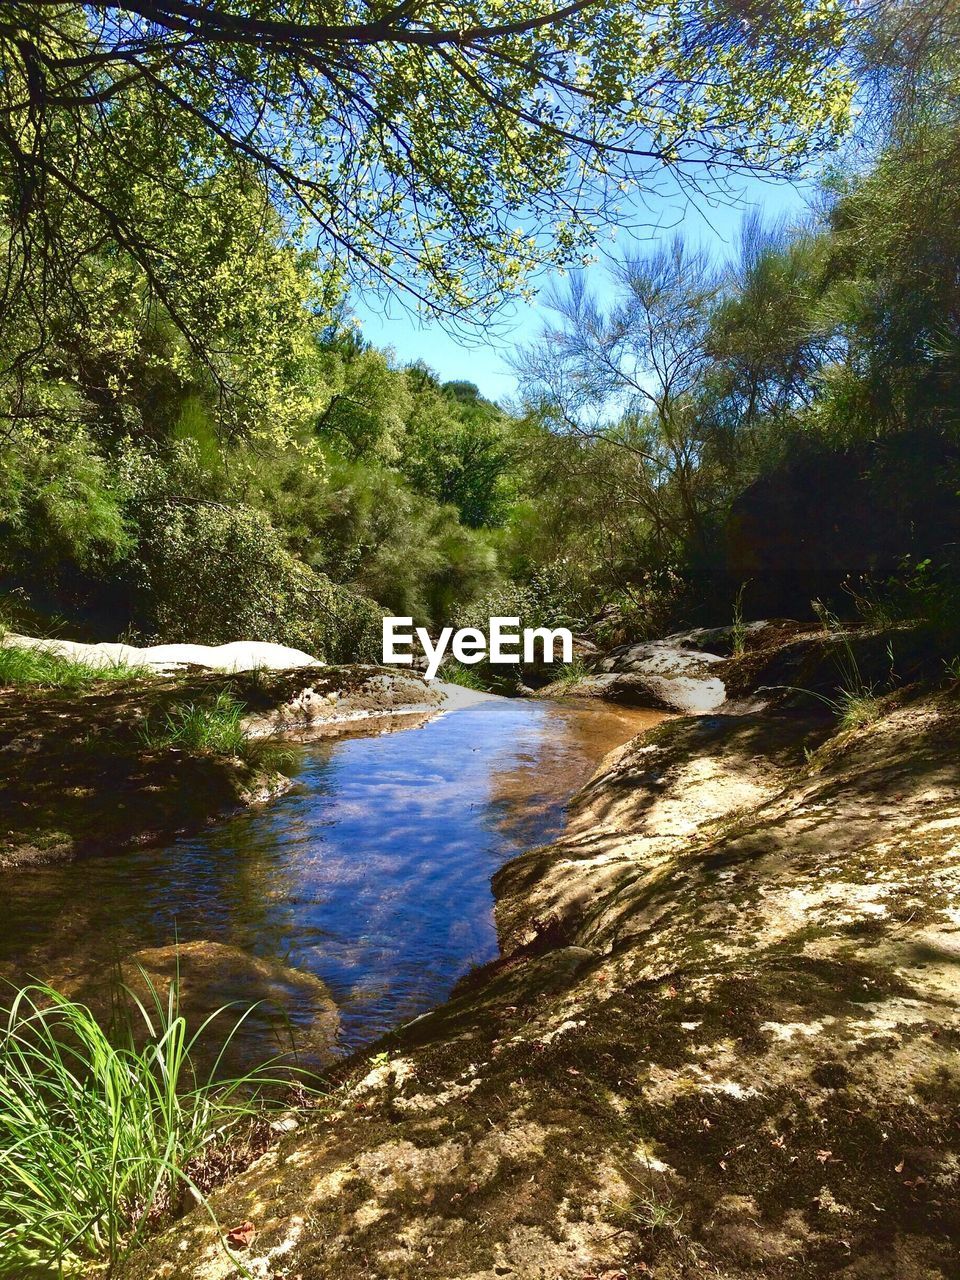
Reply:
x=373 y=874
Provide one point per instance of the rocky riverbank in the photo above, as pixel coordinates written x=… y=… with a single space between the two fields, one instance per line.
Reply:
x=80 y=776
x=721 y=1038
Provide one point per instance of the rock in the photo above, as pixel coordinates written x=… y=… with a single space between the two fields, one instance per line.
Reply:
x=669 y=675
x=656 y=673
x=213 y=975
x=239 y=655
x=721 y=641
x=341 y=696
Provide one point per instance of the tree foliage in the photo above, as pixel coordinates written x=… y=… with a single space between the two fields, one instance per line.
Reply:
x=824 y=354
x=197 y=442
x=353 y=115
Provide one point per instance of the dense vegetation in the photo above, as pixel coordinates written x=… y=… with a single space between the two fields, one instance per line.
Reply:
x=136 y=514
x=196 y=443
x=218 y=453
x=787 y=420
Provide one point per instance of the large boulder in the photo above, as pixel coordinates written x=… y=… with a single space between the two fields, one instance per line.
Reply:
x=664 y=674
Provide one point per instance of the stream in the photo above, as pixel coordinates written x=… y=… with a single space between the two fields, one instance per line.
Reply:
x=372 y=874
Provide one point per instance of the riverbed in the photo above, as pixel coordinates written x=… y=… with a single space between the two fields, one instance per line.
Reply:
x=372 y=874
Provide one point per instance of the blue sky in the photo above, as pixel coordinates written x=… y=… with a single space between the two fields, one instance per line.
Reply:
x=485 y=361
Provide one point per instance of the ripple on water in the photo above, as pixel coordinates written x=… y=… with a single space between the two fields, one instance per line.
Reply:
x=372 y=875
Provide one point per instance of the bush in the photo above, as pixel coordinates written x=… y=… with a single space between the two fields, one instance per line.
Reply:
x=548 y=599
x=919 y=591
x=211 y=573
x=361 y=525
x=60 y=510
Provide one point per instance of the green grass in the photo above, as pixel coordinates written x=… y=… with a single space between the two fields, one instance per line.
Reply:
x=738 y=629
x=571 y=673
x=855 y=703
x=21 y=668
x=855 y=708
x=468 y=677
x=214 y=728
x=647 y=1209
x=103 y=1138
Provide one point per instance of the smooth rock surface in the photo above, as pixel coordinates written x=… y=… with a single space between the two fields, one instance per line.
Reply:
x=238 y=655
x=653 y=674
x=675 y=677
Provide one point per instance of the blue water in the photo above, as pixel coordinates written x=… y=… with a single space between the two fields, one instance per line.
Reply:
x=372 y=874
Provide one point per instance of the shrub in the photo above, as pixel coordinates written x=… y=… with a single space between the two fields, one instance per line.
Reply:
x=363 y=526
x=212 y=573
x=546 y=600
x=60 y=510
x=919 y=590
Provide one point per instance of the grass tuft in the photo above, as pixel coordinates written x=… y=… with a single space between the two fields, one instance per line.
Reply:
x=571 y=673
x=467 y=677
x=103 y=1137
x=855 y=703
x=738 y=629
x=856 y=708
x=33 y=667
x=214 y=728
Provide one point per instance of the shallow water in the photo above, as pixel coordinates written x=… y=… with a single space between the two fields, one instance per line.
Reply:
x=372 y=874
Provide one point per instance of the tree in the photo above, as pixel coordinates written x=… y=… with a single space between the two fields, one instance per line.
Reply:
x=770 y=336
x=458 y=450
x=631 y=376
x=443 y=149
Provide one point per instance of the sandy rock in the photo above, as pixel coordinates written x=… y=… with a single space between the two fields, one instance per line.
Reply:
x=653 y=674
x=722 y=640
x=238 y=655
x=342 y=696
